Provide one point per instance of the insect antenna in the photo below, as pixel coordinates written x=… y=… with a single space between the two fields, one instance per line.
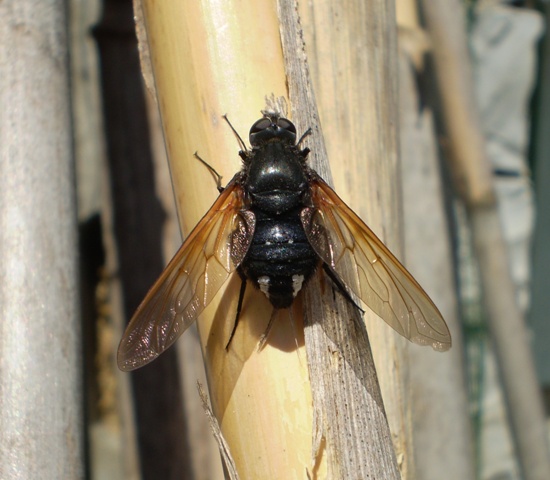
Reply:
x=239 y=139
x=215 y=174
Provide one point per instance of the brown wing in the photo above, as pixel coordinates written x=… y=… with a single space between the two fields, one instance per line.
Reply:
x=213 y=250
x=370 y=270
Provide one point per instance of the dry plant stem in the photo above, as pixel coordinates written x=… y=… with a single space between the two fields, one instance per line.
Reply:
x=442 y=438
x=505 y=320
x=209 y=61
x=447 y=29
x=204 y=455
x=353 y=66
x=216 y=431
x=348 y=410
x=512 y=347
x=300 y=89
x=41 y=430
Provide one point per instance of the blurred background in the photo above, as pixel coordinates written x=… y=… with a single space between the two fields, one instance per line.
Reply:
x=151 y=424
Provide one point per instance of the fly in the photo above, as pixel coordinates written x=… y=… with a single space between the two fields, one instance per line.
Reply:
x=276 y=224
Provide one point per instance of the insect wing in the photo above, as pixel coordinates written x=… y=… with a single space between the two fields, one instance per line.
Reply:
x=370 y=270
x=213 y=250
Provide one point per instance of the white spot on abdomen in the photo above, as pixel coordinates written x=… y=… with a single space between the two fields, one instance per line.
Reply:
x=297 y=281
x=263 y=283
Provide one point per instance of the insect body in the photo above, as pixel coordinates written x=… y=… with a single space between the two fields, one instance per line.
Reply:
x=277 y=223
x=280 y=258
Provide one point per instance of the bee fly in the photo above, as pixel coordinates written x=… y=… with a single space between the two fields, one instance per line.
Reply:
x=277 y=223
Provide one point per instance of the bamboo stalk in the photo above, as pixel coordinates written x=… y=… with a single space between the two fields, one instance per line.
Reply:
x=439 y=405
x=209 y=61
x=209 y=85
x=446 y=25
x=204 y=455
x=347 y=402
x=41 y=431
x=359 y=112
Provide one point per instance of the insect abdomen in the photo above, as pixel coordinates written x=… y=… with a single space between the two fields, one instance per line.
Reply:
x=280 y=258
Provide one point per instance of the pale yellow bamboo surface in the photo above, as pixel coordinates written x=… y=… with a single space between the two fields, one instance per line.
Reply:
x=208 y=60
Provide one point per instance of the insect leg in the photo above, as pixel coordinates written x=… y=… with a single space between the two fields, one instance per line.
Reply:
x=293 y=325
x=307 y=133
x=264 y=336
x=239 y=308
x=212 y=171
x=343 y=290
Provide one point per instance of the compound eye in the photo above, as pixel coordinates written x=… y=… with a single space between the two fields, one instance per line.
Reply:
x=286 y=125
x=260 y=125
x=269 y=128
